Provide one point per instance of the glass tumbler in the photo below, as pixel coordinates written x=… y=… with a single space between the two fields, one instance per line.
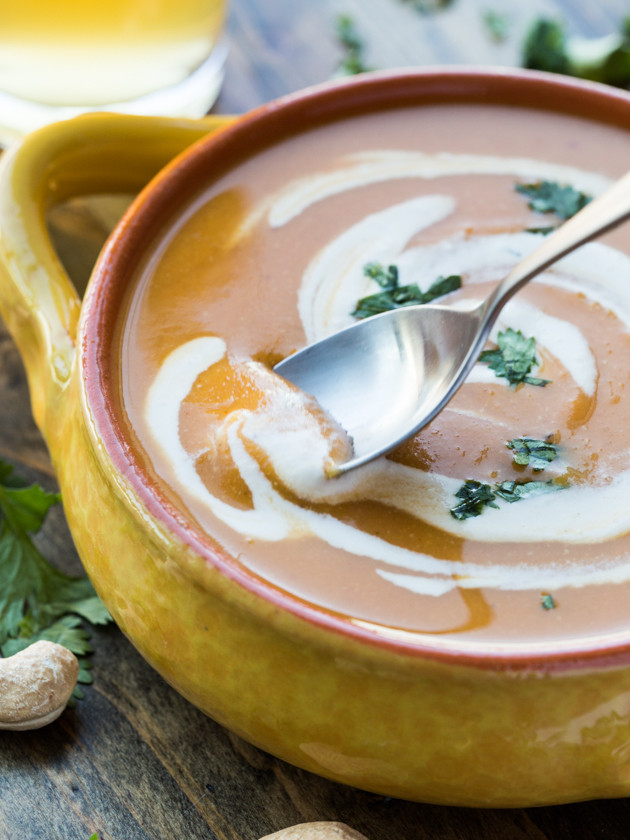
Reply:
x=59 y=58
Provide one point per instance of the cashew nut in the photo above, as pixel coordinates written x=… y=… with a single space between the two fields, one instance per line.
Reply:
x=316 y=831
x=35 y=685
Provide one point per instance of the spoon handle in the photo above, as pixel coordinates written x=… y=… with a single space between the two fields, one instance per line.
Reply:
x=602 y=214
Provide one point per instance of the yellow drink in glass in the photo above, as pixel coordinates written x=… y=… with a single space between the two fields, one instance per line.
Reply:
x=77 y=54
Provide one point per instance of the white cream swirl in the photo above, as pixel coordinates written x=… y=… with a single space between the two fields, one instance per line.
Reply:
x=372 y=167
x=585 y=514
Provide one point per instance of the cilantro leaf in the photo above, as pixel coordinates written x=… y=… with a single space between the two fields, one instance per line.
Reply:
x=514 y=358
x=387 y=278
x=545 y=230
x=514 y=491
x=442 y=286
x=348 y=36
x=67 y=631
x=35 y=593
x=24 y=508
x=475 y=497
x=426 y=7
x=497 y=25
x=37 y=600
x=85 y=672
x=551 y=197
x=547 y=602
x=532 y=452
x=606 y=59
x=395 y=296
x=545 y=47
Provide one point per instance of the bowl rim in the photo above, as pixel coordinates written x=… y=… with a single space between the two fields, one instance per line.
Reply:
x=177 y=182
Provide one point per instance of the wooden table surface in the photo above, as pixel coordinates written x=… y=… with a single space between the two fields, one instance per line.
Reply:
x=133 y=760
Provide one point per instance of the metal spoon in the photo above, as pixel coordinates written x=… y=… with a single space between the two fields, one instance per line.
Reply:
x=384 y=378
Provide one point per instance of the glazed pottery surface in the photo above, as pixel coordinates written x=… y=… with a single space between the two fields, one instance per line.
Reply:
x=437 y=723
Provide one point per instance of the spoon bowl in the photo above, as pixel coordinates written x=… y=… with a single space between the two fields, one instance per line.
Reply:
x=386 y=377
x=383 y=377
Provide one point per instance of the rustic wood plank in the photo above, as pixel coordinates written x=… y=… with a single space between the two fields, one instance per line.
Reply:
x=133 y=760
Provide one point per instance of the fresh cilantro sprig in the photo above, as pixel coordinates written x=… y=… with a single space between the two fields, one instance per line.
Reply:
x=550 y=197
x=427 y=7
x=497 y=25
x=544 y=230
x=514 y=491
x=514 y=357
x=606 y=59
x=387 y=278
x=395 y=296
x=348 y=36
x=37 y=600
x=545 y=47
x=476 y=496
x=532 y=452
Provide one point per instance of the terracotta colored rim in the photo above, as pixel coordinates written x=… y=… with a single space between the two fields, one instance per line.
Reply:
x=181 y=180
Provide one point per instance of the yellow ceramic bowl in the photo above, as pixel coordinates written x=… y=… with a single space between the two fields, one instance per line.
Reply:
x=427 y=722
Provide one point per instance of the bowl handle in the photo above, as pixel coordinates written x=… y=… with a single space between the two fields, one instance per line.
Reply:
x=89 y=155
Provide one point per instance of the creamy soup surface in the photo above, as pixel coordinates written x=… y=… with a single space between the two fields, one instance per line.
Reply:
x=271 y=256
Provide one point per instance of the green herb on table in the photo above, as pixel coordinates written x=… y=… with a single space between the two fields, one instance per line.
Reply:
x=37 y=600
x=607 y=59
x=547 y=602
x=532 y=452
x=545 y=47
x=497 y=25
x=426 y=7
x=550 y=197
x=395 y=296
x=514 y=358
x=348 y=36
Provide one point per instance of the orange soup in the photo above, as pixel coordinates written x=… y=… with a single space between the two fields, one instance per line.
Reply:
x=507 y=519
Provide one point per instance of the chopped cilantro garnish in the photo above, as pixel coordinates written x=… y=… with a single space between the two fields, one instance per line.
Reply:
x=37 y=600
x=514 y=491
x=395 y=296
x=605 y=59
x=547 y=602
x=514 y=358
x=545 y=230
x=550 y=197
x=387 y=278
x=532 y=452
x=475 y=496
